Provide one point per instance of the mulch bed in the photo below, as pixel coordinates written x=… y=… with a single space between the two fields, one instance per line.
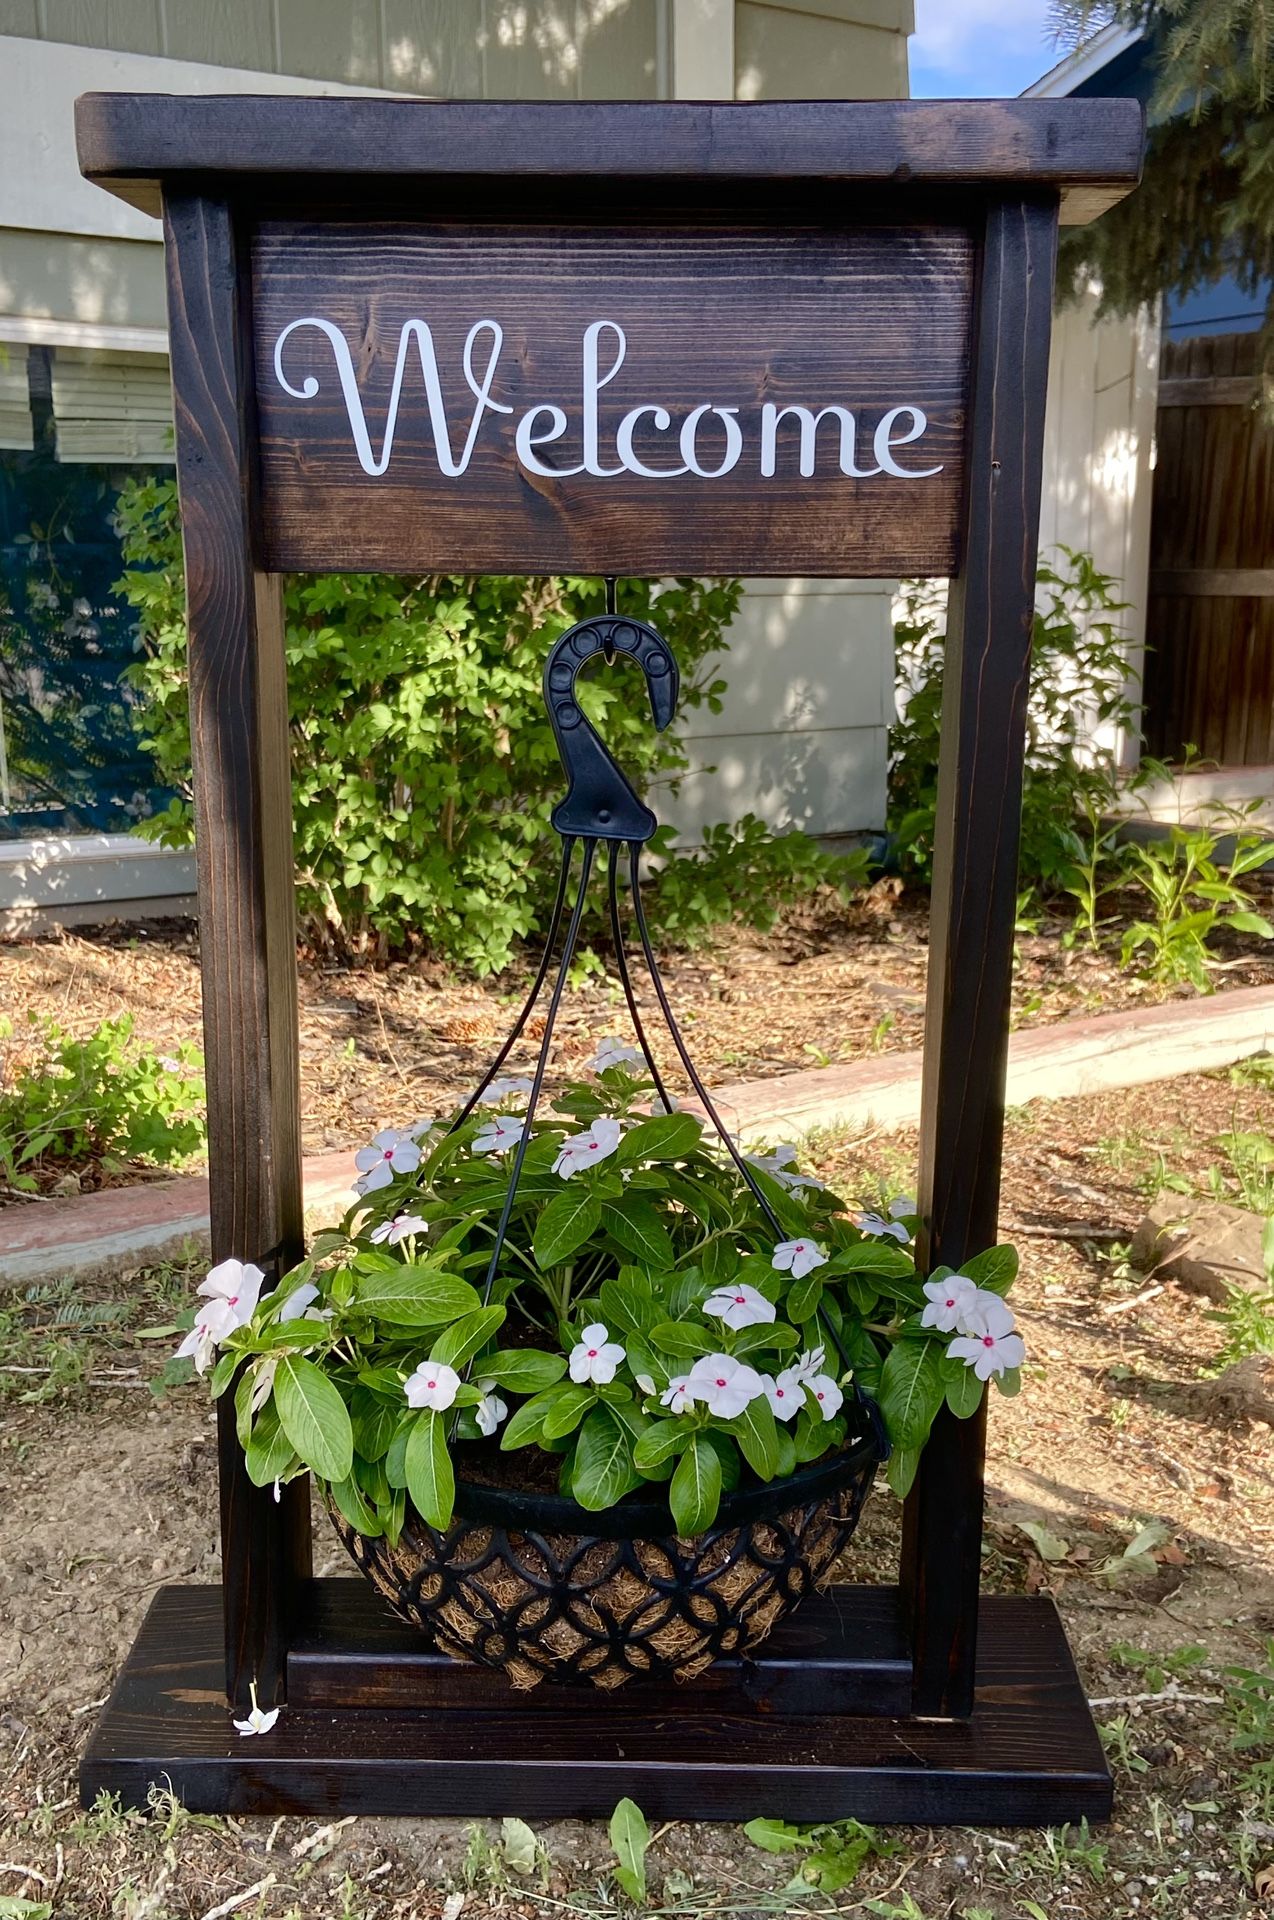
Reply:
x=391 y=1044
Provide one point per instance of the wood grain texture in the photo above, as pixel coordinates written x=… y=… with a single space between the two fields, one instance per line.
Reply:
x=972 y=911
x=1209 y=678
x=867 y=319
x=1029 y=1754
x=843 y=1651
x=128 y=143
x=239 y=738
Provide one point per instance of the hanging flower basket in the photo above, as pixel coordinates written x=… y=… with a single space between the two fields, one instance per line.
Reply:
x=705 y=1351
x=537 y=1586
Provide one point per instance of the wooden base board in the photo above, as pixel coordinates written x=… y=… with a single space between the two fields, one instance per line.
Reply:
x=842 y=1652
x=1029 y=1756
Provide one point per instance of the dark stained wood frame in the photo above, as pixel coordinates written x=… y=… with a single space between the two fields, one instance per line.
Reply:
x=210 y=164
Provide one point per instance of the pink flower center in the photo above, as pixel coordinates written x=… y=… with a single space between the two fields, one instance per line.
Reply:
x=388 y=1154
x=988 y=1339
x=740 y=1300
x=234 y=1300
x=431 y=1384
x=950 y=1302
x=720 y=1383
x=820 y=1396
x=592 y=1353
x=592 y=1146
x=780 y=1393
x=800 y=1246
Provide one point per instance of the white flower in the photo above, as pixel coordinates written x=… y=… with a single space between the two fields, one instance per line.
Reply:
x=949 y=1302
x=902 y=1207
x=257 y=1721
x=393 y=1150
x=827 y=1393
x=677 y=1395
x=390 y=1232
x=432 y=1385
x=978 y=1310
x=875 y=1228
x=504 y=1089
x=263 y=1384
x=168 y=1064
x=777 y=1163
x=231 y=1292
x=596 y=1356
x=490 y=1410
x=613 y=1052
x=298 y=1300
x=739 y=1306
x=586 y=1149
x=724 y=1385
x=996 y=1347
x=495 y=1136
x=810 y=1363
x=660 y=1105
x=798 y=1257
x=786 y=1393
x=644 y=1381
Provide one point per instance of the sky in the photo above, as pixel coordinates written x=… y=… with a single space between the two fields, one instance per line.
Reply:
x=975 y=48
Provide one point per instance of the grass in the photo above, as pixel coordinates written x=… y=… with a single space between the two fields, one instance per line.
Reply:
x=60 y=1337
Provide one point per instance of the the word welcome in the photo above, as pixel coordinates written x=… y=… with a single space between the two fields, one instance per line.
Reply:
x=544 y=423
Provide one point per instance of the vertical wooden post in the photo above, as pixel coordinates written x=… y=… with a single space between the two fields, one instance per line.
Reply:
x=239 y=736
x=974 y=895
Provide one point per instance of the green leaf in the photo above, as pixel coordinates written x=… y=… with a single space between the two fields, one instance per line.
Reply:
x=415 y=1296
x=630 y=1837
x=667 y=1136
x=995 y=1270
x=628 y=1303
x=872 y=1256
x=803 y=1300
x=565 y=1224
x=777 y=1836
x=757 y=1436
x=679 y=1337
x=963 y=1390
x=375 y=1420
x=431 y=1481
x=314 y=1417
x=269 y=1455
x=660 y=1442
x=1009 y=1382
x=639 y=1230
x=603 y=1472
x=911 y=1391
x=467 y=1336
x=570 y=1404
x=349 y=1497
x=765 y=1338
x=695 y=1491
x=523 y=1369
x=901 y=1470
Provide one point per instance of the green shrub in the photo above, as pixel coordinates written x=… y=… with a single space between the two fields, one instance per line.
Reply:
x=103 y=1098
x=1079 y=681
x=747 y=874
x=424 y=766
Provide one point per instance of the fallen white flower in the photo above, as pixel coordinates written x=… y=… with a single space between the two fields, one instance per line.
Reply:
x=257 y=1721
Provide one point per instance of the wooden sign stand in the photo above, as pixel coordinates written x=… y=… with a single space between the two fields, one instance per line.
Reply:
x=889 y=261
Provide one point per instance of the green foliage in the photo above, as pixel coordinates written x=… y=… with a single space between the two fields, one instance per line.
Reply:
x=649 y=1259
x=1250 y=1712
x=630 y=1837
x=68 y=1102
x=746 y=874
x=1205 y=207
x=1191 y=892
x=1079 y=680
x=832 y=1854
x=424 y=766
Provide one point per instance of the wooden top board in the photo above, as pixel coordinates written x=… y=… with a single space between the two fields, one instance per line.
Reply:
x=1089 y=150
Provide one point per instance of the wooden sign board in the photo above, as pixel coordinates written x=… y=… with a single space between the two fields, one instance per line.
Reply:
x=797 y=338
x=647 y=400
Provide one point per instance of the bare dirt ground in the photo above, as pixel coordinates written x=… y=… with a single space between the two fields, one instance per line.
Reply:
x=381 y=1046
x=108 y=1494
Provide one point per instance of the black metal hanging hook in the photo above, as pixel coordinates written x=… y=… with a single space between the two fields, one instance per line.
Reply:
x=600 y=804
